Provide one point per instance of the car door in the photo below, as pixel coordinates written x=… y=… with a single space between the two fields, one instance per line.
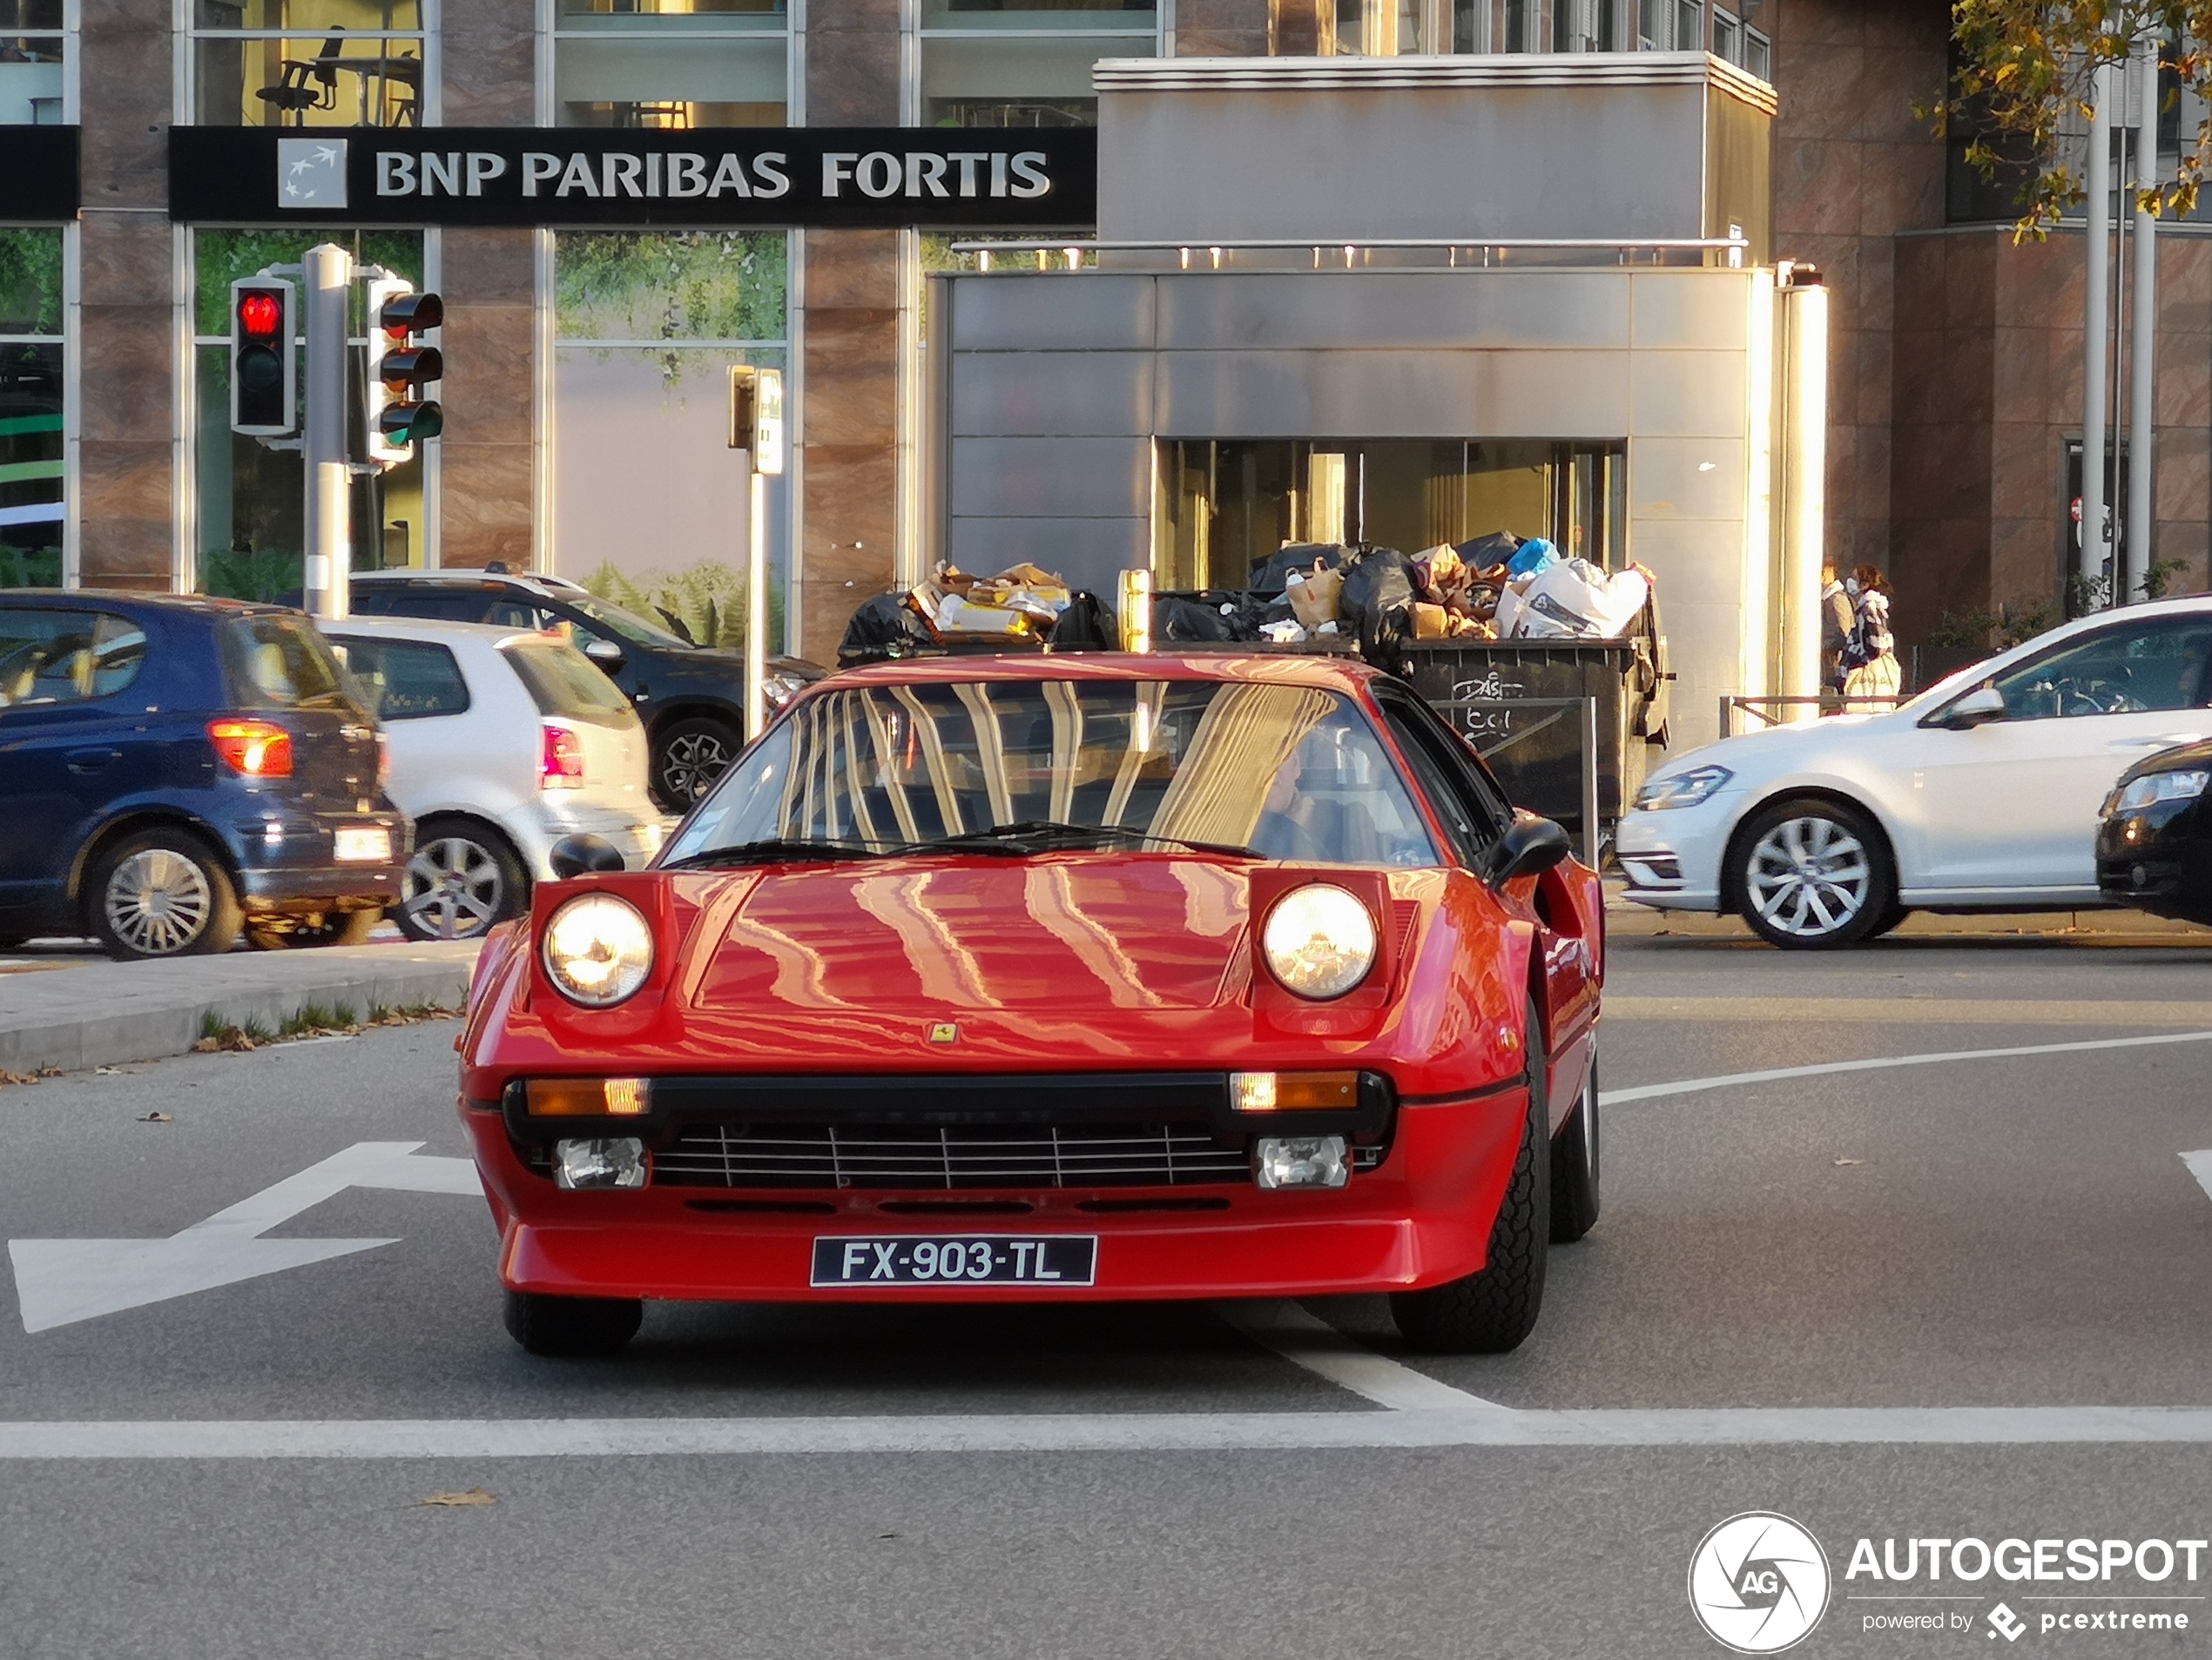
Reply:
x=72 y=741
x=1476 y=815
x=2010 y=806
x=419 y=695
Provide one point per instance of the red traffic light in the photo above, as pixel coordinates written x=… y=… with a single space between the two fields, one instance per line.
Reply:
x=260 y=312
x=410 y=313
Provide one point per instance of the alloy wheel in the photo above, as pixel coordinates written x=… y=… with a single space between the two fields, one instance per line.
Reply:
x=690 y=763
x=454 y=890
x=1809 y=877
x=157 y=901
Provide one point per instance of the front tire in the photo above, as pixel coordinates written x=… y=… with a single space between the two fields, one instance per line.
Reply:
x=572 y=1327
x=1491 y=1311
x=1575 y=1166
x=162 y=893
x=688 y=756
x=1813 y=875
x=462 y=880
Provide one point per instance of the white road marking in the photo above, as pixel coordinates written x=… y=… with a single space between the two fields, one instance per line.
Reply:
x=59 y=1282
x=1314 y=1344
x=1693 y=1086
x=2200 y=1167
x=483 y=1438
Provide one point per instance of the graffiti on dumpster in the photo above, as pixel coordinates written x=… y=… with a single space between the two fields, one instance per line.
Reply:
x=1488 y=728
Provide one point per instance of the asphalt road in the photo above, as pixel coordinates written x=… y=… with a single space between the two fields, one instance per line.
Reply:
x=1775 y=1259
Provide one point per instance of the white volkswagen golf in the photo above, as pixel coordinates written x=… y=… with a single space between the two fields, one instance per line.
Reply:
x=502 y=742
x=1980 y=794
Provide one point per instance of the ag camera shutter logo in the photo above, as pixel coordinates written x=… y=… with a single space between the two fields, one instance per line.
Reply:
x=1758 y=1583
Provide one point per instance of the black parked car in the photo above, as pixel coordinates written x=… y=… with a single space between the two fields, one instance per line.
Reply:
x=691 y=698
x=2155 y=835
x=174 y=769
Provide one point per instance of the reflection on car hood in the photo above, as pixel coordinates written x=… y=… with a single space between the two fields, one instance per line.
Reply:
x=1059 y=936
x=2175 y=759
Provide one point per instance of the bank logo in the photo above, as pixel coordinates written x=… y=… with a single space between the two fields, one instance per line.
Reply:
x=2006 y=1623
x=1758 y=1583
x=311 y=173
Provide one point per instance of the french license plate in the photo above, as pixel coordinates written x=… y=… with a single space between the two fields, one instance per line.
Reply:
x=369 y=843
x=999 y=1259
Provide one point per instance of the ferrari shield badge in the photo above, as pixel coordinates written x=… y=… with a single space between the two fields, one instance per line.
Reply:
x=944 y=1032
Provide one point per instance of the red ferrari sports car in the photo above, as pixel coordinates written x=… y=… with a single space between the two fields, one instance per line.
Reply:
x=1061 y=977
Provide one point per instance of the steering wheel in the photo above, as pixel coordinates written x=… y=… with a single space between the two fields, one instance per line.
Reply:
x=2095 y=696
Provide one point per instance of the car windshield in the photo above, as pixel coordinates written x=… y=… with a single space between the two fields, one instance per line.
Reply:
x=628 y=624
x=1276 y=772
x=562 y=681
x=280 y=661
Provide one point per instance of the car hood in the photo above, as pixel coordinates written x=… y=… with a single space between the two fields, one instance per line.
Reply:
x=2181 y=756
x=1755 y=755
x=935 y=939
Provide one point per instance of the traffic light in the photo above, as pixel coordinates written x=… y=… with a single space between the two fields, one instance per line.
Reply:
x=264 y=397
x=399 y=365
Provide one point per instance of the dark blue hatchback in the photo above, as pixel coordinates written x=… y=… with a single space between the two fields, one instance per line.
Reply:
x=174 y=770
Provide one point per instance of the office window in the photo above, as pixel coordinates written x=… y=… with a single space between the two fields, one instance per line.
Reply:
x=252 y=531
x=650 y=502
x=308 y=63
x=1690 y=25
x=1728 y=36
x=1026 y=62
x=32 y=480
x=672 y=63
x=33 y=48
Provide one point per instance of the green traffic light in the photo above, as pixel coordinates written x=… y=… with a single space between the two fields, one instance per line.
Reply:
x=402 y=424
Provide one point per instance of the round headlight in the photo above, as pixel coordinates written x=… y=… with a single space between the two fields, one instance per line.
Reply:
x=598 y=949
x=1319 y=941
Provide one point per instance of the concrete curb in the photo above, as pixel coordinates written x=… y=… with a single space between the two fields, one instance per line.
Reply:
x=110 y=1013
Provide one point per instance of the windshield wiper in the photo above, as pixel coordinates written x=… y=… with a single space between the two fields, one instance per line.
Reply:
x=778 y=850
x=1040 y=835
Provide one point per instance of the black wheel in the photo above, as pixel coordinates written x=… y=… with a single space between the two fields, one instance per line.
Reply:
x=572 y=1327
x=161 y=893
x=333 y=928
x=462 y=879
x=1889 y=921
x=1490 y=1311
x=688 y=756
x=1811 y=875
x=1575 y=1166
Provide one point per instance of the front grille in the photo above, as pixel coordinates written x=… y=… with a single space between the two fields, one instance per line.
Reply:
x=948 y=1156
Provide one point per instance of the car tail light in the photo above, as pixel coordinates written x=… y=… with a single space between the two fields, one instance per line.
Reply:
x=252 y=748
x=562 y=766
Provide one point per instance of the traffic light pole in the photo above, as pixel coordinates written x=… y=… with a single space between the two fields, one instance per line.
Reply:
x=329 y=284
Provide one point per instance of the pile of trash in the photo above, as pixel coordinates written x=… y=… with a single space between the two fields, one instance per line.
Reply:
x=1023 y=605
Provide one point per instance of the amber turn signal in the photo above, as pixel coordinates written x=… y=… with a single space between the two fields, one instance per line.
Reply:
x=1294 y=1091
x=585 y=1097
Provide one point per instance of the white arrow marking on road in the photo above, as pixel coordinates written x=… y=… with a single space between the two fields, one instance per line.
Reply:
x=59 y=1282
x=2200 y=1167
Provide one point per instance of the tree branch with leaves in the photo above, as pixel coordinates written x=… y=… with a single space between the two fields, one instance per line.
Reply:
x=2025 y=73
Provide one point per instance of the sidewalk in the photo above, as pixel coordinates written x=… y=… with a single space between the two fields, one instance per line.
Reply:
x=102 y=1012
x=1627 y=919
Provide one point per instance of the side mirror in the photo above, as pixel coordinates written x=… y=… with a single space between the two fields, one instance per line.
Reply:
x=586 y=856
x=1977 y=708
x=1532 y=846
x=605 y=653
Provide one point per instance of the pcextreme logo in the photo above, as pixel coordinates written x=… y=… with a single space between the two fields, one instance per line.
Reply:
x=1758 y=1583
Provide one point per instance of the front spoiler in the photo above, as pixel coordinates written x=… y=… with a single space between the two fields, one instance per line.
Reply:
x=1423 y=1218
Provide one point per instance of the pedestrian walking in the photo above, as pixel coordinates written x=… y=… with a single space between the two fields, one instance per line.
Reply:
x=1838 y=617
x=1871 y=678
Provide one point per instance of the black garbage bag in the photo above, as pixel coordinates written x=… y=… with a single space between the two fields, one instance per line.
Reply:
x=1485 y=551
x=1380 y=588
x=1269 y=574
x=1086 y=626
x=884 y=627
x=1176 y=621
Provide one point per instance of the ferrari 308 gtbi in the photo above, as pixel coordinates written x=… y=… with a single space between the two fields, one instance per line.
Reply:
x=1064 y=977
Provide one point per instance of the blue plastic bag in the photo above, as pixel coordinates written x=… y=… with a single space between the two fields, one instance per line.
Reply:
x=1536 y=554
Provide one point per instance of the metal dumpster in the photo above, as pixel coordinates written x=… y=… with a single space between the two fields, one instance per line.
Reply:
x=1537 y=752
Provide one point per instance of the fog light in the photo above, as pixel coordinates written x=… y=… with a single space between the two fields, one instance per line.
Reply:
x=620 y=1161
x=1297 y=1161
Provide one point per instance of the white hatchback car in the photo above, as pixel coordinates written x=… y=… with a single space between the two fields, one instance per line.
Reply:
x=502 y=742
x=1980 y=794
